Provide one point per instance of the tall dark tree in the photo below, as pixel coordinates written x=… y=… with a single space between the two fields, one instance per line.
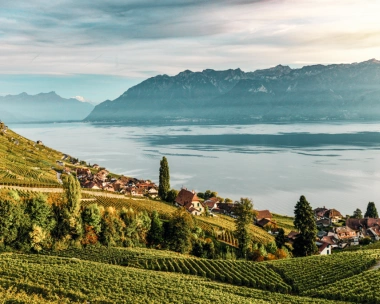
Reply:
x=245 y=215
x=357 y=214
x=304 y=222
x=371 y=210
x=280 y=238
x=164 y=179
x=156 y=233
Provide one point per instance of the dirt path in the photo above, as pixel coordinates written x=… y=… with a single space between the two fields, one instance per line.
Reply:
x=58 y=190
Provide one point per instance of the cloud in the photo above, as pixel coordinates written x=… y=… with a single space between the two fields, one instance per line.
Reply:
x=142 y=38
x=80 y=98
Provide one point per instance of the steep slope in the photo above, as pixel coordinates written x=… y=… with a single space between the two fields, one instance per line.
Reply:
x=42 y=107
x=23 y=162
x=333 y=92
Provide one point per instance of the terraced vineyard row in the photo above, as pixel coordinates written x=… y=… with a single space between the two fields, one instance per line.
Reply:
x=311 y=272
x=361 y=288
x=241 y=273
x=81 y=281
x=22 y=162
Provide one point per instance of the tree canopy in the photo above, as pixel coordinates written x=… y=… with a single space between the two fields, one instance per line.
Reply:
x=371 y=211
x=244 y=216
x=357 y=214
x=304 y=222
x=164 y=179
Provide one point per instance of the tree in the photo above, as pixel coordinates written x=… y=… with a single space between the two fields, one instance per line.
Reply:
x=40 y=213
x=91 y=217
x=156 y=233
x=73 y=195
x=245 y=215
x=178 y=232
x=71 y=210
x=371 y=211
x=280 y=238
x=304 y=244
x=164 y=179
x=171 y=196
x=357 y=214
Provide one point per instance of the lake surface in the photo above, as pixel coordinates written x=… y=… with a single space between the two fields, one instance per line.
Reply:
x=333 y=165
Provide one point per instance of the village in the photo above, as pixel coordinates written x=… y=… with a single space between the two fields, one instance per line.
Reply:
x=334 y=231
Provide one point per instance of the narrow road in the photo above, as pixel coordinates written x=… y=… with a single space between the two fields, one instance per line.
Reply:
x=59 y=190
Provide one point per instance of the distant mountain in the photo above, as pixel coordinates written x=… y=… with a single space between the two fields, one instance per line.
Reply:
x=317 y=92
x=42 y=107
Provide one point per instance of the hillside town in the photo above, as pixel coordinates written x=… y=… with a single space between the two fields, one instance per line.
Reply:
x=334 y=230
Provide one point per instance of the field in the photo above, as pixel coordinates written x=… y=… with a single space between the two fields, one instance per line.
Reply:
x=241 y=273
x=315 y=271
x=77 y=281
x=23 y=162
x=361 y=288
x=284 y=222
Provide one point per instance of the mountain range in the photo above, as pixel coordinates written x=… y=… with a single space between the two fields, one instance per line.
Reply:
x=42 y=107
x=311 y=93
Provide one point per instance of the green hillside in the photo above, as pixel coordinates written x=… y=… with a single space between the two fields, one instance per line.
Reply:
x=26 y=163
x=77 y=281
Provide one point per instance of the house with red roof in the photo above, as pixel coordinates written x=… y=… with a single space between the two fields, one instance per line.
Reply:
x=190 y=201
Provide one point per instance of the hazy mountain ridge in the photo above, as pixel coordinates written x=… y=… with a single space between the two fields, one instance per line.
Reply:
x=317 y=92
x=42 y=107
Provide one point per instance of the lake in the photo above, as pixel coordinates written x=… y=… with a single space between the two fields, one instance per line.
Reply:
x=333 y=164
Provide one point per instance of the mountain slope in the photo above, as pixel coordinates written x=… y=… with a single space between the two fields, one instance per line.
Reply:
x=333 y=92
x=42 y=107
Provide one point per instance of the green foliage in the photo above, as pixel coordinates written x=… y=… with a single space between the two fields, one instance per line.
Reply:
x=164 y=179
x=91 y=216
x=315 y=271
x=207 y=194
x=178 y=231
x=78 y=281
x=111 y=228
x=245 y=215
x=171 y=196
x=360 y=288
x=271 y=248
x=156 y=233
x=304 y=222
x=280 y=238
x=12 y=219
x=40 y=213
x=73 y=195
x=371 y=211
x=357 y=214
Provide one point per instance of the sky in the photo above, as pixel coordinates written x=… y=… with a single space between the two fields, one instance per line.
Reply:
x=97 y=49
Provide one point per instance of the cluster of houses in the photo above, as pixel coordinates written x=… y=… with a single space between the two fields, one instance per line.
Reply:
x=332 y=236
x=102 y=180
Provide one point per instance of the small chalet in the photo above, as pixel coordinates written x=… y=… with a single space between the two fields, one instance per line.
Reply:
x=319 y=212
x=212 y=203
x=226 y=208
x=96 y=166
x=190 y=201
x=153 y=192
x=39 y=142
x=323 y=223
x=324 y=248
x=263 y=214
x=333 y=215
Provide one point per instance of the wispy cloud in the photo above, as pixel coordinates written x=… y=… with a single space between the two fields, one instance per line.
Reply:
x=141 y=38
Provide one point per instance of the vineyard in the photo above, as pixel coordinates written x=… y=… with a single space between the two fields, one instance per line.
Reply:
x=361 y=288
x=311 y=272
x=23 y=163
x=241 y=273
x=74 y=280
